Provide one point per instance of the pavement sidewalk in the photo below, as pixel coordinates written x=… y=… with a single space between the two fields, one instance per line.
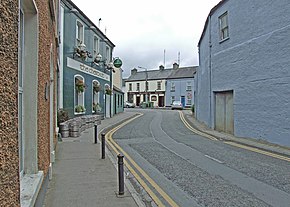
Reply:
x=81 y=178
x=261 y=144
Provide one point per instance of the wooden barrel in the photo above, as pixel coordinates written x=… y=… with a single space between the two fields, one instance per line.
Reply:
x=74 y=130
x=64 y=130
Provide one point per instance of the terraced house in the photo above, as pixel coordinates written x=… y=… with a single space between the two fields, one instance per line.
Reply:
x=85 y=73
x=161 y=87
x=28 y=51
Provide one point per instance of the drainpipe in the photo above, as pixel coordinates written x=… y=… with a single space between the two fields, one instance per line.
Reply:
x=210 y=74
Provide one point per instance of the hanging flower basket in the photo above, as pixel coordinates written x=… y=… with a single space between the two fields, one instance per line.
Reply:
x=108 y=91
x=97 y=107
x=97 y=88
x=80 y=86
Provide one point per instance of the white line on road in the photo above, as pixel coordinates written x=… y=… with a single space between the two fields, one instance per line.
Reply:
x=214 y=159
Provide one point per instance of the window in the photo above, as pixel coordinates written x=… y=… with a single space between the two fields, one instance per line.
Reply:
x=79 y=84
x=96 y=86
x=130 y=86
x=188 y=86
x=138 y=86
x=96 y=46
x=224 y=26
x=153 y=98
x=188 y=101
x=147 y=85
x=79 y=33
x=172 y=87
x=108 y=55
x=159 y=85
x=172 y=99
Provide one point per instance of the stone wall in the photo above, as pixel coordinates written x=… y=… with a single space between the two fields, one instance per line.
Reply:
x=9 y=172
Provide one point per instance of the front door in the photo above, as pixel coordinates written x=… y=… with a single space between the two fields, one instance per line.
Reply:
x=137 y=100
x=161 y=101
x=224 y=112
x=183 y=100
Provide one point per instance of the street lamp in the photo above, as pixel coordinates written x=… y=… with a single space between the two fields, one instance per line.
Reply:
x=146 y=83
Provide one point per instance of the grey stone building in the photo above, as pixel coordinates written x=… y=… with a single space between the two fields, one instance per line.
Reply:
x=243 y=81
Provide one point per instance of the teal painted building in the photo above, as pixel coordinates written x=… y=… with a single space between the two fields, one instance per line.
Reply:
x=85 y=68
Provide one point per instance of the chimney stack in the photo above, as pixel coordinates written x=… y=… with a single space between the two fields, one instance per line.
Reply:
x=133 y=71
x=161 y=67
x=175 y=66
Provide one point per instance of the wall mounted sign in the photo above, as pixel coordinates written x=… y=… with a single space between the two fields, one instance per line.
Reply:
x=86 y=69
x=117 y=63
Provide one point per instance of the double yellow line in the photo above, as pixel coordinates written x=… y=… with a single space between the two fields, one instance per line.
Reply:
x=253 y=149
x=193 y=129
x=117 y=149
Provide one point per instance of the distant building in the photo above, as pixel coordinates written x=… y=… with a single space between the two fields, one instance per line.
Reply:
x=180 y=86
x=28 y=61
x=118 y=94
x=85 y=74
x=159 y=82
x=243 y=82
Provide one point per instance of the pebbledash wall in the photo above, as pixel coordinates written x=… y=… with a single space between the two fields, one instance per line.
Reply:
x=9 y=160
x=28 y=54
x=253 y=64
x=71 y=65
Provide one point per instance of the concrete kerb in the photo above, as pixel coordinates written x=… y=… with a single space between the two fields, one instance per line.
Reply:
x=136 y=196
x=259 y=144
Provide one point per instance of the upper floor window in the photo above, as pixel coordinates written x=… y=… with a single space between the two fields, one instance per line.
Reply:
x=159 y=85
x=96 y=46
x=130 y=86
x=108 y=54
x=224 y=26
x=172 y=87
x=188 y=86
x=79 y=33
x=147 y=85
x=138 y=86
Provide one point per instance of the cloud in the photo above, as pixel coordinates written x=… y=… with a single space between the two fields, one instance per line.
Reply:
x=141 y=30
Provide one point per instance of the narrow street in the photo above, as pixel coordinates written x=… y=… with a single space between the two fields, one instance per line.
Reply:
x=183 y=168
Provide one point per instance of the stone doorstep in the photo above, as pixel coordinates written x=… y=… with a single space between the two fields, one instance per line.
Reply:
x=30 y=185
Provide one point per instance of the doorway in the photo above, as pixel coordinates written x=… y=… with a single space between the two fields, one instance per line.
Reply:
x=224 y=112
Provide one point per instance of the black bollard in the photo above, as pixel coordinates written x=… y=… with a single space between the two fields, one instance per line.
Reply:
x=103 y=145
x=121 y=173
x=96 y=133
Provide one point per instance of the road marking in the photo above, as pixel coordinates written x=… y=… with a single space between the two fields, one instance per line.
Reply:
x=193 y=129
x=118 y=149
x=253 y=149
x=259 y=151
x=214 y=159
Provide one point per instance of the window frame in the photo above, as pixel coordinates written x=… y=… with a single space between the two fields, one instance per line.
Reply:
x=224 y=28
x=159 y=85
x=82 y=94
x=188 y=86
x=96 y=45
x=138 y=86
x=172 y=86
x=79 y=32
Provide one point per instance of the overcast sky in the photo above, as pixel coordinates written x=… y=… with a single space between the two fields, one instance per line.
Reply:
x=142 y=30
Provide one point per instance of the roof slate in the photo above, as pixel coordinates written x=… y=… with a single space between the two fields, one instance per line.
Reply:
x=184 y=72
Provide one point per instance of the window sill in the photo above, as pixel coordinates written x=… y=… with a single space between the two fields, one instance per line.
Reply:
x=79 y=113
x=30 y=185
x=223 y=40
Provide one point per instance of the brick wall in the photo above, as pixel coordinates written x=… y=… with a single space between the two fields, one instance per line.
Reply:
x=9 y=172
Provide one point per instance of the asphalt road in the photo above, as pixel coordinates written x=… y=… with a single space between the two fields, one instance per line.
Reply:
x=196 y=171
